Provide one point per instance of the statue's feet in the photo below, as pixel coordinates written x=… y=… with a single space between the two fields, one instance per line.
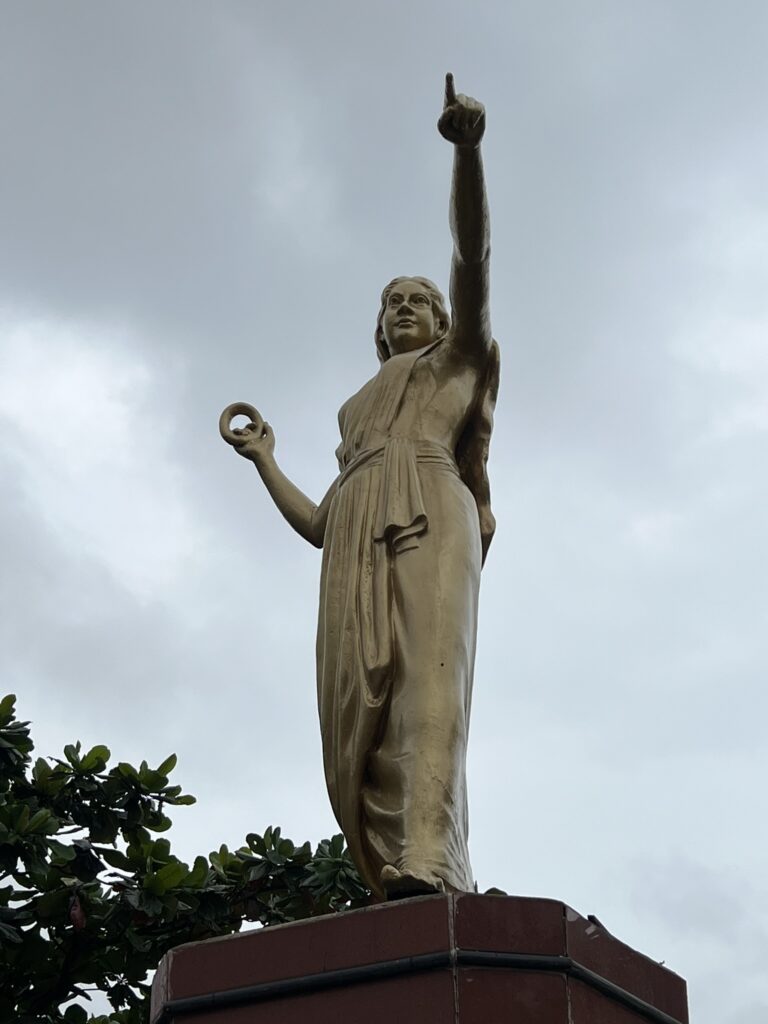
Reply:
x=399 y=885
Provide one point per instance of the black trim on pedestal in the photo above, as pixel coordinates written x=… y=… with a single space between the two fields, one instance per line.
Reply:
x=410 y=965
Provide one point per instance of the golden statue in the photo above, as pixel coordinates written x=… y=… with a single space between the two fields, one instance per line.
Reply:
x=404 y=530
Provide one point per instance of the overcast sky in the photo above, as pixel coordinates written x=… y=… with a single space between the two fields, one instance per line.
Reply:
x=200 y=203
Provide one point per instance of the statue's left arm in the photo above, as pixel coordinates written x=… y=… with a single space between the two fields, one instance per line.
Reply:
x=463 y=123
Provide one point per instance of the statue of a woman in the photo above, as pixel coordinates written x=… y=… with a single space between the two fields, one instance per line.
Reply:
x=404 y=530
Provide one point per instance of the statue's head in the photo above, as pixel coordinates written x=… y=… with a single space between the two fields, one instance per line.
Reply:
x=412 y=315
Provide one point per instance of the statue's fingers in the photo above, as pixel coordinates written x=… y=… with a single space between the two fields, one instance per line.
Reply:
x=450 y=90
x=451 y=118
x=465 y=118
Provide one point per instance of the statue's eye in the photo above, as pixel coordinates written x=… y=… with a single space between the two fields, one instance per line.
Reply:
x=421 y=299
x=395 y=300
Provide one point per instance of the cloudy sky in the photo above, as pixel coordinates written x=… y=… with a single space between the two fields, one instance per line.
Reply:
x=200 y=203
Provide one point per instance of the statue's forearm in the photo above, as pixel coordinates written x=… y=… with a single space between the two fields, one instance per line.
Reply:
x=306 y=518
x=469 y=219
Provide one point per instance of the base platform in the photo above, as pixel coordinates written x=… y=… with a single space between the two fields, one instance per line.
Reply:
x=459 y=959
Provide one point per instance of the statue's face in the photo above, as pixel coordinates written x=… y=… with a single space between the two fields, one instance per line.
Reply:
x=409 y=320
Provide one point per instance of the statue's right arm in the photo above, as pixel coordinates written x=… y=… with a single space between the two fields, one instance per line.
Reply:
x=307 y=519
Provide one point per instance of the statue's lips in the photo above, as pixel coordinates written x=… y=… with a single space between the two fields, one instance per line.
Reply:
x=405 y=323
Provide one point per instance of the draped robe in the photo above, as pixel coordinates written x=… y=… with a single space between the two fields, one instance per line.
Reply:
x=398 y=619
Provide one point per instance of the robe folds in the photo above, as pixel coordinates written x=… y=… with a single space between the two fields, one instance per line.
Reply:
x=397 y=627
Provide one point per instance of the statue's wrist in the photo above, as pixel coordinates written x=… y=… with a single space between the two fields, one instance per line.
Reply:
x=264 y=462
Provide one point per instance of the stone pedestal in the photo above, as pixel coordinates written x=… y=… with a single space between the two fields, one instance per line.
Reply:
x=462 y=959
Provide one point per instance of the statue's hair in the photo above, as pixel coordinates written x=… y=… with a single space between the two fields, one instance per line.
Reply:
x=438 y=308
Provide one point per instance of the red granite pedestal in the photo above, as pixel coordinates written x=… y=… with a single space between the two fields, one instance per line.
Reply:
x=462 y=959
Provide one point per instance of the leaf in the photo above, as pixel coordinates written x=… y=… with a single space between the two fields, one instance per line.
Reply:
x=161 y=849
x=168 y=765
x=115 y=858
x=9 y=934
x=170 y=876
x=151 y=884
x=198 y=874
x=60 y=852
x=159 y=823
x=134 y=899
x=7 y=705
x=143 y=945
x=286 y=848
x=72 y=753
x=258 y=871
x=151 y=781
x=76 y=1014
x=52 y=904
x=96 y=759
x=39 y=819
x=42 y=770
x=152 y=905
x=104 y=826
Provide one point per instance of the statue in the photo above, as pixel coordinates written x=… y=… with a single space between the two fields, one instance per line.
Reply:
x=405 y=528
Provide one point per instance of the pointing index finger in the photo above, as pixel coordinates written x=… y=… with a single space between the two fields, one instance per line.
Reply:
x=450 y=91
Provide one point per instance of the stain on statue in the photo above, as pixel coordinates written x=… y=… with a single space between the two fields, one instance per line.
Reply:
x=405 y=528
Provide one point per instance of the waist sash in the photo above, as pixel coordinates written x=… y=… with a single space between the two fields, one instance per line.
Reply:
x=400 y=517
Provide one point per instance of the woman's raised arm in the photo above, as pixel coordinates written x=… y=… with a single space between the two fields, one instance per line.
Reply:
x=463 y=123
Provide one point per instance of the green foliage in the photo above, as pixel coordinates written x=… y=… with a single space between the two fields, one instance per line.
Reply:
x=91 y=896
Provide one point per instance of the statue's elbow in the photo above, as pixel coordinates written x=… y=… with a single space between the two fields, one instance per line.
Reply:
x=473 y=253
x=317 y=535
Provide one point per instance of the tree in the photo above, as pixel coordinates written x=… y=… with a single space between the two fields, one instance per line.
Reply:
x=91 y=897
